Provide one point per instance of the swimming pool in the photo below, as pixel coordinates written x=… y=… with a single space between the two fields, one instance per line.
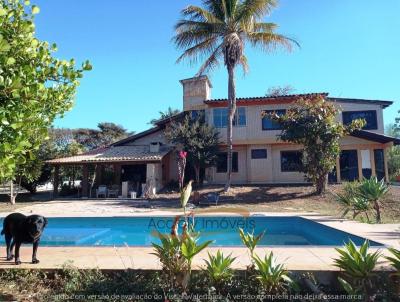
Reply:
x=141 y=231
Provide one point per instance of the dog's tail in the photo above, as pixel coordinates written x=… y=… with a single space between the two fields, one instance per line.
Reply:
x=2 y=232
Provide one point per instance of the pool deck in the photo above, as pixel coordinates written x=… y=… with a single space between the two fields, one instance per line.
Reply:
x=299 y=258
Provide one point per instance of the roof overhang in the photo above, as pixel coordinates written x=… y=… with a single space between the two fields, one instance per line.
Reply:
x=264 y=100
x=375 y=137
x=287 y=99
x=117 y=154
x=382 y=103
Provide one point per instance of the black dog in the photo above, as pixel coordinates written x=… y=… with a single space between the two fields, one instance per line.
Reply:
x=19 y=229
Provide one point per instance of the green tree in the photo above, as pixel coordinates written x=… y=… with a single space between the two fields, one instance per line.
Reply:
x=312 y=124
x=165 y=114
x=217 y=32
x=110 y=133
x=107 y=133
x=393 y=152
x=198 y=139
x=35 y=87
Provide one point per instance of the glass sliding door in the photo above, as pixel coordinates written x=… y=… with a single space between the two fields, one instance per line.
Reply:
x=349 y=165
x=379 y=157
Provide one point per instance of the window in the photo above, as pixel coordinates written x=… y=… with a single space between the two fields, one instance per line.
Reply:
x=268 y=123
x=220 y=116
x=379 y=158
x=349 y=165
x=240 y=117
x=291 y=161
x=222 y=162
x=258 y=153
x=197 y=113
x=369 y=116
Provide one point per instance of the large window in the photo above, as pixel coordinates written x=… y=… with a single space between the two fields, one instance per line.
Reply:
x=349 y=165
x=258 y=153
x=270 y=124
x=222 y=162
x=291 y=161
x=220 y=116
x=379 y=158
x=369 y=116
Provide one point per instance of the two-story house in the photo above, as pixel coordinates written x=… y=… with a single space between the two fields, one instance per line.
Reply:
x=259 y=156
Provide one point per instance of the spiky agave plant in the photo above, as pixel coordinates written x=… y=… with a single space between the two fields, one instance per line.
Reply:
x=394 y=260
x=273 y=277
x=218 y=32
x=358 y=266
x=218 y=268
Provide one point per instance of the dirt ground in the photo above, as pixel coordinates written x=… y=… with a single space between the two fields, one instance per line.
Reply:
x=293 y=199
x=255 y=199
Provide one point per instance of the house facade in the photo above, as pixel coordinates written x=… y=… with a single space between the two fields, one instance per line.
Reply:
x=259 y=157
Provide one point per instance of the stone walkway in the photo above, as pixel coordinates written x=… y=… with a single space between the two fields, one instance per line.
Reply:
x=295 y=258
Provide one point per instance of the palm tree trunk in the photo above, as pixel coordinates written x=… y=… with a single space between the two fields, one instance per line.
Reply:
x=231 y=115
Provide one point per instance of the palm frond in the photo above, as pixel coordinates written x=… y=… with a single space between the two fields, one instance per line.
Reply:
x=212 y=62
x=264 y=27
x=250 y=9
x=270 y=41
x=202 y=49
x=215 y=7
x=244 y=64
x=197 y=13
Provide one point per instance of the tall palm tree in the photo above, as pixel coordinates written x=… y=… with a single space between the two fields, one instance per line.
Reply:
x=219 y=31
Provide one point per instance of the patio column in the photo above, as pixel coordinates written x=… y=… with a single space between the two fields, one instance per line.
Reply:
x=360 y=173
x=99 y=174
x=85 y=181
x=117 y=176
x=56 y=177
x=385 y=159
x=372 y=158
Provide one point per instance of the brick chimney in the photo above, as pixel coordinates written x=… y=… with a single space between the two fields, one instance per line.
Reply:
x=195 y=92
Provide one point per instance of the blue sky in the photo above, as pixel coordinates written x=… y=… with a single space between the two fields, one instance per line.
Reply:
x=349 y=48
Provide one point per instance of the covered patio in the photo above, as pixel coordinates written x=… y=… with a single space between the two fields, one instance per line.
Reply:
x=117 y=171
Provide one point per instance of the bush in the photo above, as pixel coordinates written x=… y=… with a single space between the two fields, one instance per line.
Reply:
x=360 y=197
x=219 y=270
x=358 y=268
x=273 y=277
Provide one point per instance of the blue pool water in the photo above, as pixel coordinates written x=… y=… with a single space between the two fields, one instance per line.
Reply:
x=142 y=231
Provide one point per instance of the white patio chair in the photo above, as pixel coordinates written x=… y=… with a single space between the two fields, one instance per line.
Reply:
x=101 y=191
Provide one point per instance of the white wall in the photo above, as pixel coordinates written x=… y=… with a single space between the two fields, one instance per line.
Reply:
x=253 y=133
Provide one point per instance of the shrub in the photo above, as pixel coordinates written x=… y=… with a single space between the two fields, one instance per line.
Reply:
x=176 y=254
x=357 y=266
x=273 y=277
x=374 y=190
x=360 y=197
x=355 y=204
x=219 y=269
x=394 y=260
